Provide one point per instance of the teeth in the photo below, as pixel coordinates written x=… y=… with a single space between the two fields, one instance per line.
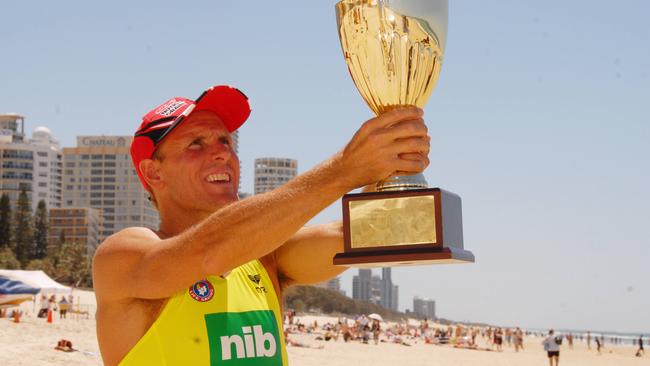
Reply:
x=222 y=177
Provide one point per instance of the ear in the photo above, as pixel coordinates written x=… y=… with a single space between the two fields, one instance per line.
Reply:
x=151 y=172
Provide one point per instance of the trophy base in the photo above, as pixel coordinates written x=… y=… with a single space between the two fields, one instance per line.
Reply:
x=412 y=257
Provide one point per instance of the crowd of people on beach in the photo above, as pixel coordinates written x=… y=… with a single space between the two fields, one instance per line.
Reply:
x=366 y=330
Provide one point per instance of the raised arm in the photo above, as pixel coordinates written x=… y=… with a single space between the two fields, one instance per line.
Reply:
x=136 y=263
x=306 y=258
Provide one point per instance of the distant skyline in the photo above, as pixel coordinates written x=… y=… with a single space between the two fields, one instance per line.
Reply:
x=540 y=122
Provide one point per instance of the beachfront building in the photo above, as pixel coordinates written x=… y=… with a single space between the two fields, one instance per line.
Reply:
x=378 y=290
x=270 y=173
x=424 y=308
x=79 y=225
x=32 y=164
x=362 y=285
x=389 y=291
x=98 y=173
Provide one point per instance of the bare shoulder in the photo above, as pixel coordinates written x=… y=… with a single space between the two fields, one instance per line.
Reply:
x=126 y=239
x=116 y=257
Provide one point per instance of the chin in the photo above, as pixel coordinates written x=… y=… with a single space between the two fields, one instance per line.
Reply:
x=223 y=200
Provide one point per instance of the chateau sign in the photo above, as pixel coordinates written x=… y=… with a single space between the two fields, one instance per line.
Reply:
x=103 y=141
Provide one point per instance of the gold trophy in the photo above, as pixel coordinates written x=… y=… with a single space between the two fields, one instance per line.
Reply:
x=394 y=50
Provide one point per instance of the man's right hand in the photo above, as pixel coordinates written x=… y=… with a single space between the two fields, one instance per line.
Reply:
x=394 y=143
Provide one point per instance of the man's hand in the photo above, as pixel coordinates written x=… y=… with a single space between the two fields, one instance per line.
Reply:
x=396 y=142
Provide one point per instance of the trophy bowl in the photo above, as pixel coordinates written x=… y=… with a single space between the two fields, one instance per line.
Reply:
x=394 y=51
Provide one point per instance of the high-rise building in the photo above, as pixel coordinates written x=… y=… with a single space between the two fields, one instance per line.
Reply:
x=362 y=285
x=270 y=173
x=79 y=225
x=388 y=290
x=394 y=304
x=31 y=164
x=375 y=290
x=424 y=308
x=98 y=173
x=378 y=290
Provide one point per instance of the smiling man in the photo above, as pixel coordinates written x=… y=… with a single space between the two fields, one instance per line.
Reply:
x=205 y=289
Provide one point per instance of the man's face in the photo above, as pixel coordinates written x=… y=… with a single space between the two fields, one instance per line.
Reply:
x=198 y=166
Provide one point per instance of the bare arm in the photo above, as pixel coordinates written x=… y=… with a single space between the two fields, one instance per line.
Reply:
x=135 y=263
x=306 y=258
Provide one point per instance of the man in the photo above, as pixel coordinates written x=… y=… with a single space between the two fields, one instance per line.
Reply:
x=552 y=348
x=640 y=352
x=205 y=288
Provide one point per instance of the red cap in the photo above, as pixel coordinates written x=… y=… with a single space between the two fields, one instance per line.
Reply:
x=230 y=104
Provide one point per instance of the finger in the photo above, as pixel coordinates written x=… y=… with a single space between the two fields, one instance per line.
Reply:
x=404 y=129
x=410 y=167
x=409 y=145
x=390 y=118
x=412 y=156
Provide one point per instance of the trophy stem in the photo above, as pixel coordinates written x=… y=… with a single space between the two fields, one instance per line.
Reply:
x=402 y=183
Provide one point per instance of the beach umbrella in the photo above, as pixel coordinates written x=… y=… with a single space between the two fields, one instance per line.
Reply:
x=376 y=316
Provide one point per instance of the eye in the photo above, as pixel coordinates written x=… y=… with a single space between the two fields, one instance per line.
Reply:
x=196 y=144
x=225 y=140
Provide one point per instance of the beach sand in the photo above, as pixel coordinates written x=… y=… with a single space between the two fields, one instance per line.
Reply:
x=31 y=342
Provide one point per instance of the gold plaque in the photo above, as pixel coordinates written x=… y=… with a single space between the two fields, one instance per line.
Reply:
x=392 y=221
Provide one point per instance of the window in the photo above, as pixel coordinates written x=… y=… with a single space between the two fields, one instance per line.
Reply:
x=70 y=164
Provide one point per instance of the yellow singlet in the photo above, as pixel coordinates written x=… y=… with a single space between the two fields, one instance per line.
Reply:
x=234 y=320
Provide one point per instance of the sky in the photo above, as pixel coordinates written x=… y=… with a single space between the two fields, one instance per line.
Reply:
x=540 y=121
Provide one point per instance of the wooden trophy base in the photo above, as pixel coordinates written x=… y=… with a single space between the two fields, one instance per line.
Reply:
x=398 y=228
x=404 y=258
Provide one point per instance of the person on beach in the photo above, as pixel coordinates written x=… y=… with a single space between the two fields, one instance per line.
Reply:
x=552 y=348
x=206 y=286
x=45 y=305
x=498 y=339
x=376 y=329
x=588 y=340
x=597 y=344
x=519 y=339
x=640 y=352
x=63 y=307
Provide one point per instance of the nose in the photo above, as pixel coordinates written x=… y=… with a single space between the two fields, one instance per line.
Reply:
x=221 y=151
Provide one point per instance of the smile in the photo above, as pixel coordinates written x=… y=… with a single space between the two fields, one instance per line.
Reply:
x=221 y=177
